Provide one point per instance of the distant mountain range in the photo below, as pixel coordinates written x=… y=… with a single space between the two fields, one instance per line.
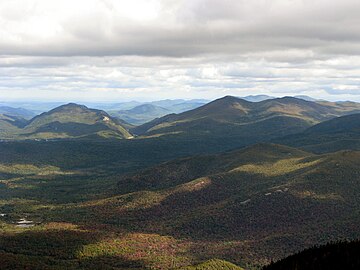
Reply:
x=141 y=114
x=258 y=98
x=251 y=122
x=146 y=112
x=17 y=112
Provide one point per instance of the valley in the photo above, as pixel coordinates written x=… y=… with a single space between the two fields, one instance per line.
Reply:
x=231 y=184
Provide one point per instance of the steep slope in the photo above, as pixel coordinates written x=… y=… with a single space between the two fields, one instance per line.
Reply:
x=249 y=121
x=72 y=121
x=333 y=256
x=141 y=114
x=329 y=136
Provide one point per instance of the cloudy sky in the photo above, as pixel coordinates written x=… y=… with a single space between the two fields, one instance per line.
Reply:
x=104 y=50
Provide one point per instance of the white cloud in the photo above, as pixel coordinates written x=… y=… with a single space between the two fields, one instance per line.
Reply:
x=178 y=48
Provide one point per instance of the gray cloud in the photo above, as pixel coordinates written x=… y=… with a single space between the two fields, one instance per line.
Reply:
x=179 y=28
x=172 y=48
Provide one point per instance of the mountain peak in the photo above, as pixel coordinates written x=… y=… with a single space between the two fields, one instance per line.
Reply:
x=228 y=98
x=147 y=108
x=70 y=106
x=73 y=120
x=293 y=100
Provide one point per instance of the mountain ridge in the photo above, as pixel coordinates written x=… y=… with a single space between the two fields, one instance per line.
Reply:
x=232 y=116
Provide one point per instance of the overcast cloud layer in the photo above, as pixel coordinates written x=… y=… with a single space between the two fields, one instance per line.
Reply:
x=154 y=49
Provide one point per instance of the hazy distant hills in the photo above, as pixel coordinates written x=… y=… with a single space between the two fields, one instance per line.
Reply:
x=258 y=98
x=272 y=197
x=172 y=105
x=133 y=112
x=249 y=121
x=332 y=135
x=18 y=112
x=33 y=107
x=142 y=113
x=70 y=121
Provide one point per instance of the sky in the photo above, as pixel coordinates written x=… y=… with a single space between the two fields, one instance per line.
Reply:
x=119 y=50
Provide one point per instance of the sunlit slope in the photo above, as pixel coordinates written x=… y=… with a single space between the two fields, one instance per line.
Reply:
x=246 y=207
x=213 y=264
x=274 y=198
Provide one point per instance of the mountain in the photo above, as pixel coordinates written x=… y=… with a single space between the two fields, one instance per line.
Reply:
x=71 y=121
x=329 y=136
x=333 y=256
x=258 y=98
x=148 y=109
x=18 y=112
x=185 y=106
x=250 y=122
x=140 y=114
x=137 y=113
x=170 y=103
x=179 y=105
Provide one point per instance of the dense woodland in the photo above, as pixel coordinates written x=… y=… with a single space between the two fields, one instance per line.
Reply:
x=231 y=184
x=341 y=255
